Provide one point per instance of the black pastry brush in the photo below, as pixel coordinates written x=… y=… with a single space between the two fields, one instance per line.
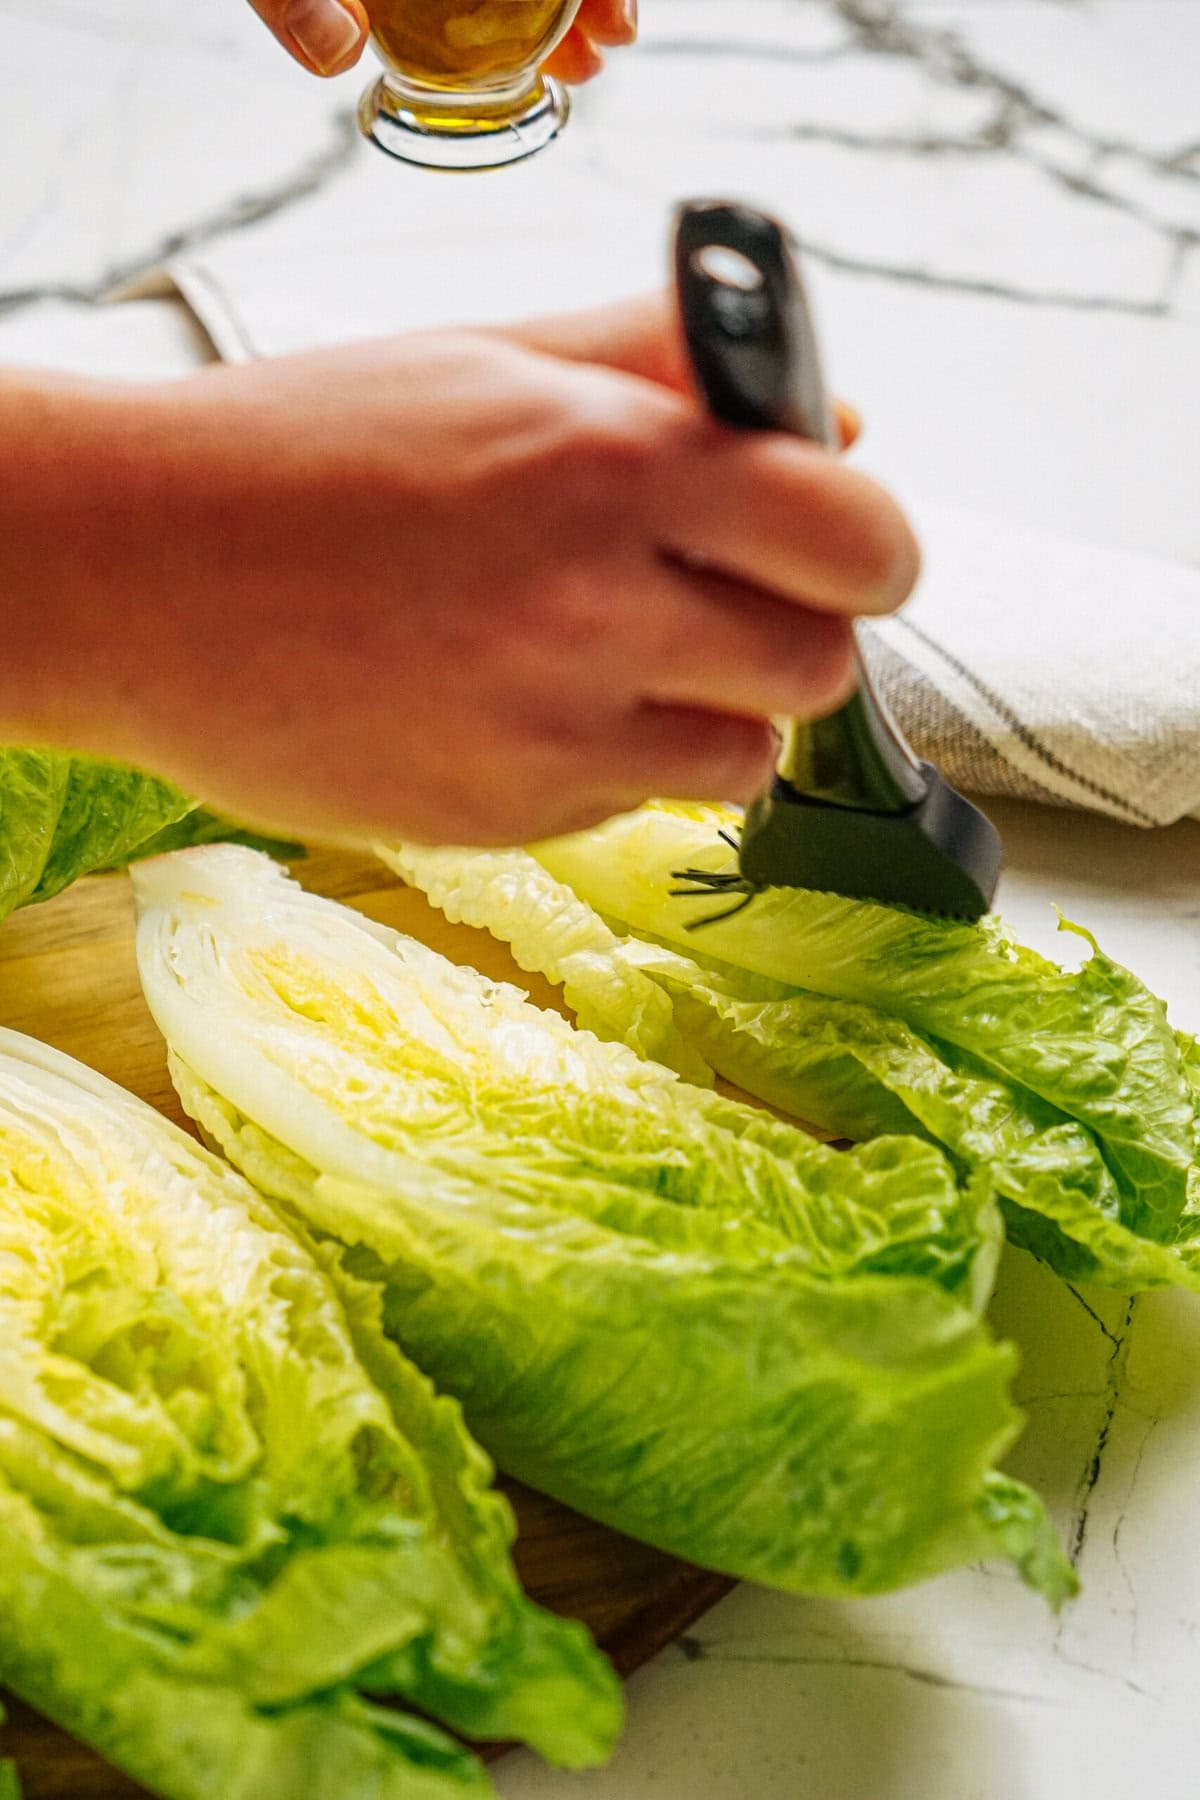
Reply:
x=851 y=810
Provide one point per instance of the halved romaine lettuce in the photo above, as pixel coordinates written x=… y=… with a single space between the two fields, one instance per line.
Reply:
x=610 y=982
x=669 y=1310
x=230 y=1511
x=1092 y=1043
x=1081 y=1176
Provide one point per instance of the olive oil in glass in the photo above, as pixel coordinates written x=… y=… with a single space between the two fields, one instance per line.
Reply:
x=462 y=86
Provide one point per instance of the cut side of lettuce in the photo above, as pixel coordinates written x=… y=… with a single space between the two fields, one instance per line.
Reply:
x=553 y=933
x=857 y=1067
x=231 y=1512
x=669 y=1310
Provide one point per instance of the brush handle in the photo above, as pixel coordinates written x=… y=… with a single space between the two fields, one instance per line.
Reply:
x=754 y=352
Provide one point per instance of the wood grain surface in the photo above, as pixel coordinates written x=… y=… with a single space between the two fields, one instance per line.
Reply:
x=68 y=976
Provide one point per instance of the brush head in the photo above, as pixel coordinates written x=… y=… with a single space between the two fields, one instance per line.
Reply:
x=940 y=856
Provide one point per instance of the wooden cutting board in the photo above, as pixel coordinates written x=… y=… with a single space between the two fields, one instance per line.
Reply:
x=68 y=976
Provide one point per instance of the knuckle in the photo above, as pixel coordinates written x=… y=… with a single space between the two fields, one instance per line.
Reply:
x=883 y=555
x=606 y=458
x=740 y=760
x=483 y=819
x=448 y=819
x=551 y=739
x=572 y=814
x=823 y=668
x=580 y=625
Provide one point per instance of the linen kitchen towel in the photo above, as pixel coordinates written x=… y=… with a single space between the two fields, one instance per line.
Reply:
x=1048 y=669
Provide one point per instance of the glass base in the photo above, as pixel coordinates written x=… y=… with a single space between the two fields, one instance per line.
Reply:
x=458 y=132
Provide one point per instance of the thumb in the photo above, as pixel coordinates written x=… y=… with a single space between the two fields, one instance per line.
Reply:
x=640 y=337
x=326 y=36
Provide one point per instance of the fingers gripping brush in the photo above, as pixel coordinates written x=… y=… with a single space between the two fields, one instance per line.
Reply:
x=851 y=810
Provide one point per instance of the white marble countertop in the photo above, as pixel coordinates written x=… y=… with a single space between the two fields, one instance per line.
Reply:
x=1001 y=204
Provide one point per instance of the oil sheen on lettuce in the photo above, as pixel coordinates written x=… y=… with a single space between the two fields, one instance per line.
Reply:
x=1066 y=1088
x=669 y=1310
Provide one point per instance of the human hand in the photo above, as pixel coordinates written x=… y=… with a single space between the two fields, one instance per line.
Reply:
x=468 y=587
x=329 y=36
x=601 y=23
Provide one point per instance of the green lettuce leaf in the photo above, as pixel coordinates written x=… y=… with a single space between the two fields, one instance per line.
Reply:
x=857 y=1072
x=1093 y=1043
x=669 y=1310
x=65 y=816
x=204 y=827
x=10 y=1781
x=62 y=817
x=851 y=1069
x=230 y=1510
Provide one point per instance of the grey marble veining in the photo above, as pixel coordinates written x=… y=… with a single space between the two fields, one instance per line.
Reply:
x=1019 y=148
x=122 y=134
x=934 y=154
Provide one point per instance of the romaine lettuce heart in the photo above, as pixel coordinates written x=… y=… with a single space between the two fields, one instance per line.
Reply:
x=230 y=1511
x=665 y=1308
x=849 y=1068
